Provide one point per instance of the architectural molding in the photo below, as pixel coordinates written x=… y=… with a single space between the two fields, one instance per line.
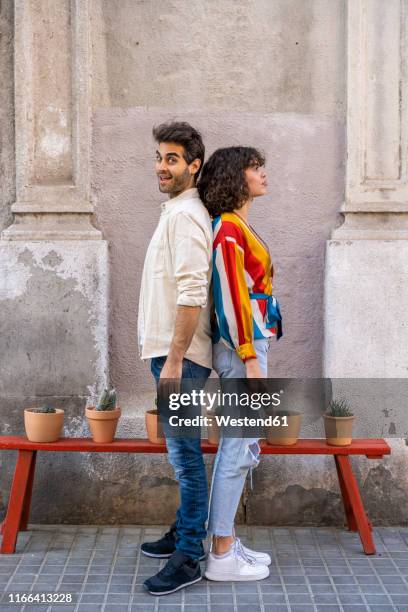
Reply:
x=377 y=115
x=52 y=117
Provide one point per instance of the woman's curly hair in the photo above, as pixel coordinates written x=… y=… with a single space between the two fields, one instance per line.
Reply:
x=222 y=186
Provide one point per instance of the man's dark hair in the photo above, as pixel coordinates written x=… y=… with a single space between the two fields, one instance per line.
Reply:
x=222 y=185
x=184 y=134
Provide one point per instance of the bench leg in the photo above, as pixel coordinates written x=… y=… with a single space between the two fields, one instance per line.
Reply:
x=17 y=500
x=356 y=504
x=27 y=498
x=348 y=510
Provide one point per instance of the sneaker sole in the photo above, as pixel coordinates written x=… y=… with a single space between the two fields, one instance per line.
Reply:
x=182 y=586
x=166 y=556
x=231 y=577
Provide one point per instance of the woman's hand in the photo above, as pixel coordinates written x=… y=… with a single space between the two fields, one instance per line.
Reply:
x=253 y=369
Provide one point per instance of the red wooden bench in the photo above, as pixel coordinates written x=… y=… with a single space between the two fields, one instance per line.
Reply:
x=20 y=495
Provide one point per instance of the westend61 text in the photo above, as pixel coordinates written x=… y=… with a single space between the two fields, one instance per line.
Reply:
x=210 y=400
x=227 y=421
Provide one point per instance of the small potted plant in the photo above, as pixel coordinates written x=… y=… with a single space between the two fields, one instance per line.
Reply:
x=43 y=424
x=338 y=423
x=285 y=428
x=153 y=426
x=103 y=415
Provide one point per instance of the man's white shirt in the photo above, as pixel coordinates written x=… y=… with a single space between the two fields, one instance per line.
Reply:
x=177 y=272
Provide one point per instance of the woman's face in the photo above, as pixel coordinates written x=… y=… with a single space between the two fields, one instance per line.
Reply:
x=255 y=177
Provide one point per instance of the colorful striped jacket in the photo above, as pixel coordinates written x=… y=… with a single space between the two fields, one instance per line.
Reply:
x=242 y=287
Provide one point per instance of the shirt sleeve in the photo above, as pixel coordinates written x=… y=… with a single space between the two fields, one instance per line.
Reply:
x=231 y=295
x=191 y=259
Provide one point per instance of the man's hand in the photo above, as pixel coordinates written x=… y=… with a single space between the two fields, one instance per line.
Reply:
x=172 y=368
x=170 y=378
x=253 y=369
x=184 y=328
x=185 y=325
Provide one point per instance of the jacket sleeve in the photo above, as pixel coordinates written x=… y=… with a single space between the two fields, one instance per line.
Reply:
x=231 y=295
x=191 y=259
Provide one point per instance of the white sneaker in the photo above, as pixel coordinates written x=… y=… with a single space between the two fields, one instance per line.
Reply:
x=236 y=565
x=259 y=557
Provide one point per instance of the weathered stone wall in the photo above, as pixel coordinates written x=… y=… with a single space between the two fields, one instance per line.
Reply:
x=7 y=172
x=269 y=74
x=53 y=263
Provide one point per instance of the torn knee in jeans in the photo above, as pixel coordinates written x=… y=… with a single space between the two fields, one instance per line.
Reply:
x=252 y=452
x=250 y=458
x=255 y=450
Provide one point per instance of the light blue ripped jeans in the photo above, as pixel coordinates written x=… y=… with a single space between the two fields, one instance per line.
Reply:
x=235 y=456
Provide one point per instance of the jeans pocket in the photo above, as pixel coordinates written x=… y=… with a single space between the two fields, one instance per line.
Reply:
x=198 y=371
x=187 y=371
x=156 y=366
x=222 y=359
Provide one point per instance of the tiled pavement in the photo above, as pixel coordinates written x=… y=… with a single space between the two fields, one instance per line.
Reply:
x=319 y=569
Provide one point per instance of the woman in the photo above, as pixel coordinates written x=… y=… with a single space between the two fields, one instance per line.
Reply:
x=247 y=316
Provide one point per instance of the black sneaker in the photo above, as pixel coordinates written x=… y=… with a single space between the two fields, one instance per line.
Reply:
x=165 y=547
x=180 y=571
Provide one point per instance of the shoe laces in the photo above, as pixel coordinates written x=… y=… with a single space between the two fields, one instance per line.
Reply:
x=168 y=570
x=171 y=567
x=240 y=552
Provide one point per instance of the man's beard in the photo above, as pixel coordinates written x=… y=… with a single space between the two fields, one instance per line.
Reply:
x=177 y=184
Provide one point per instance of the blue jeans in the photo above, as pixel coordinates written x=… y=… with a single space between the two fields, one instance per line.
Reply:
x=186 y=457
x=235 y=456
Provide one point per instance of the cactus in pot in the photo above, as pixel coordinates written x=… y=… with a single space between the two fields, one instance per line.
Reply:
x=43 y=424
x=102 y=414
x=338 y=423
x=285 y=427
x=339 y=408
x=107 y=401
x=43 y=410
x=153 y=426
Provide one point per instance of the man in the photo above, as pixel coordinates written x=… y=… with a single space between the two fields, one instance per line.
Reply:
x=174 y=332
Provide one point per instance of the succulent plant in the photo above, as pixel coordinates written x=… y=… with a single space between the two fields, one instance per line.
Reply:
x=107 y=400
x=339 y=408
x=44 y=410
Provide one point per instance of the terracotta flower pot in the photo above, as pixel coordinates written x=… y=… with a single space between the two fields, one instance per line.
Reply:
x=339 y=430
x=102 y=423
x=213 y=430
x=43 y=427
x=285 y=435
x=153 y=427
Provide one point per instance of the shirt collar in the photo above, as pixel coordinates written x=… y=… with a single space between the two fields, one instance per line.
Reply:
x=185 y=195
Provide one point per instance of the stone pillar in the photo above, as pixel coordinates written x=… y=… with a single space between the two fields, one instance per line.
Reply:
x=52 y=116
x=366 y=284
x=53 y=262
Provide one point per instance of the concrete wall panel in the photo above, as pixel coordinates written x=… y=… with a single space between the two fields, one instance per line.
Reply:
x=7 y=164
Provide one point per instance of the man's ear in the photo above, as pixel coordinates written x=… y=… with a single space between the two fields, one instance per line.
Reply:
x=195 y=166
